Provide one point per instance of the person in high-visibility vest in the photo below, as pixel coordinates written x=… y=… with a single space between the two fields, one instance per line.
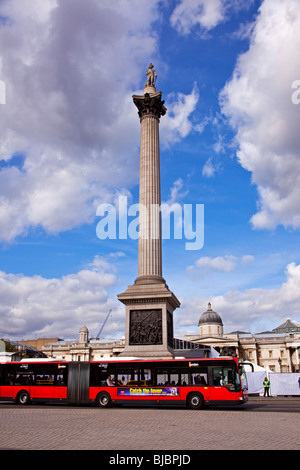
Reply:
x=266 y=387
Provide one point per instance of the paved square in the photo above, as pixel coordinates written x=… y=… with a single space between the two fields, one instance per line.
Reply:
x=90 y=428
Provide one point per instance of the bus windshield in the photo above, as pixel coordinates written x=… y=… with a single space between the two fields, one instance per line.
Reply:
x=227 y=376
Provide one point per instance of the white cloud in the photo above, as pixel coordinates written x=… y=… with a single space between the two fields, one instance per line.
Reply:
x=203 y=14
x=252 y=310
x=177 y=192
x=176 y=124
x=209 y=168
x=70 y=69
x=225 y=263
x=247 y=259
x=257 y=101
x=39 y=307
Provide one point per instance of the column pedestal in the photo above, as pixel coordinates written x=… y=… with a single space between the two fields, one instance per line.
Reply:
x=149 y=319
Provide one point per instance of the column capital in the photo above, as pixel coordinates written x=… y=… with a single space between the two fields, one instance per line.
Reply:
x=150 y=105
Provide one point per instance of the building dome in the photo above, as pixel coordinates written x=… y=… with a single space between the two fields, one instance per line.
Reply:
x=210 y=323
x=210 y=316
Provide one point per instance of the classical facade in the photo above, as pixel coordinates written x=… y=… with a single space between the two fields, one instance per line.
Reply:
x=277 y=350
x=86 y=349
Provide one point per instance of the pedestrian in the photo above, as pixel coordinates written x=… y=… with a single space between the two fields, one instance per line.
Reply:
x=266 y=387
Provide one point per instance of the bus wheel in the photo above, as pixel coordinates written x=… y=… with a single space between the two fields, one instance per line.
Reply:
x=23 y=398
x=195 y=401
x=103 y=400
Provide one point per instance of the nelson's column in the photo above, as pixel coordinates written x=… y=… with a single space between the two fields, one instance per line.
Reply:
x=149 y=302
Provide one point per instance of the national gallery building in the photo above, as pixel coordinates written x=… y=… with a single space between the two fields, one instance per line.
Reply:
x=277 y=350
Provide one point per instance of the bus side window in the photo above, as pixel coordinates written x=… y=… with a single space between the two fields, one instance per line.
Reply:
x=196 y=376
x=184 y=379
x=126 y=376
x=60 y=379
x=167 y=377
x=10 y=378
x=62 y=375
x=99 y=374
x=147 y=376
x=199 y=379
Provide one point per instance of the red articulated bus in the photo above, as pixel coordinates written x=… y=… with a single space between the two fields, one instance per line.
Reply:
x=191 y=382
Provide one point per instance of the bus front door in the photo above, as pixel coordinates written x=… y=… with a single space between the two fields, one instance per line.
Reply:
x=224 y=386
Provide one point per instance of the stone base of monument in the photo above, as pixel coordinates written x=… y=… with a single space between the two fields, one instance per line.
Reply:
x=149 y=318
x=150 y=90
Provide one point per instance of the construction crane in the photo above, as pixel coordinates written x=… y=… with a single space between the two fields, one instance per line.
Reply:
x=103 y=324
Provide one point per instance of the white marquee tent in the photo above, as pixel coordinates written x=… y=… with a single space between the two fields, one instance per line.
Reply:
x=280 y=384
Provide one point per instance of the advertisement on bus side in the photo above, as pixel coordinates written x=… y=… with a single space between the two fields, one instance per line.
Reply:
x=148 y=391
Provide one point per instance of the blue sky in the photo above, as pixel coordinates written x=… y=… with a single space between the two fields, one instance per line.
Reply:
x=70 y=141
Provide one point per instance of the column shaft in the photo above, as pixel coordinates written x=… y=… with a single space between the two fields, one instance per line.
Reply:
x=150 y=255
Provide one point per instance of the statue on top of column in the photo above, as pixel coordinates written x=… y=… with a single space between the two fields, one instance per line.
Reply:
x=151 y=76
